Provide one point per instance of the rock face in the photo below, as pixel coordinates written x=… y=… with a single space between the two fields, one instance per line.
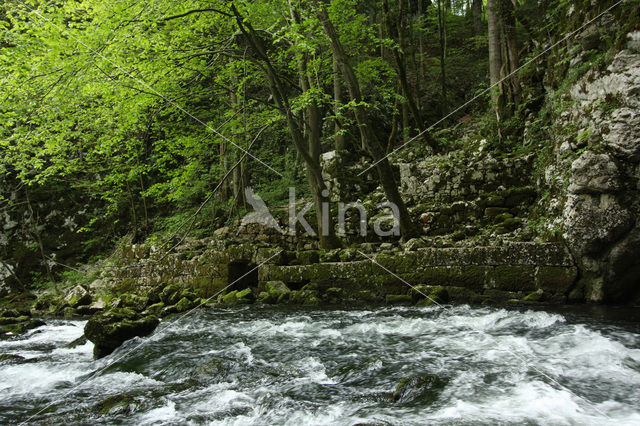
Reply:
x=601 y=204
x=109 y=330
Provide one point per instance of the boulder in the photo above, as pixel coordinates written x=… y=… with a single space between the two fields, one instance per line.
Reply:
x=276 y=291
x=184 y=305
x=77 y=296
x=419 y=389
x=109 y=330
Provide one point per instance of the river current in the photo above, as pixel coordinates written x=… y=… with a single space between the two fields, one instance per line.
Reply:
x=404 y=366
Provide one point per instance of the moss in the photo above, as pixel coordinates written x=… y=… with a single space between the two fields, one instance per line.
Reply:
x=245 y=296
x=308 y=257
x=494 y=211
x=155 y=309
x=184 y=305
x=334 y=295
x=399 y=299
x=134 y=301
x=536 y=296
x=229 y=299
x=512 y=278
x=555 y=279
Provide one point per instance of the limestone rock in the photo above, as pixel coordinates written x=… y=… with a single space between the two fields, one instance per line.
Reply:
x=594 y=173
x=624 y=134
x=77 y=296
x=593 y=222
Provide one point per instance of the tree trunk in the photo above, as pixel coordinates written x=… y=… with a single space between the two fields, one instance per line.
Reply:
x=401 y=67
x=495 y=59
x=338 y=101
x=476 y=16
x=369 y=139
x=443 y=55
x=511 y=58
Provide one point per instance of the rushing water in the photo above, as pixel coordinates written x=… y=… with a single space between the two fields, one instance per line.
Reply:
x=271 y=366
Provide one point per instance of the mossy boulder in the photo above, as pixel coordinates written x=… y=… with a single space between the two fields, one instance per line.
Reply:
x=228 y=299
x=334 y=295
x=307 y=295
x=77 y=296
x=109 y=330
x=245 y=296
x=275 y=292
x=154 y=309
x=19 y=327
x=134 y=301
x=185 y=304
x=13 y=320
x=171 y=294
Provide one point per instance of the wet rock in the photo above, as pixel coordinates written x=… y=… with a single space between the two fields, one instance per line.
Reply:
x=423 y=390
x=11 y=358
x=87 y=310
x=80 y=341
x=117 y=404
x=109 y=330
x=19 y=327
x=210 y=369
x=77 y=296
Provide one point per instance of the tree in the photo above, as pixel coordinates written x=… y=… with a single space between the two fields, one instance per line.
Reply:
x=503 y=57
x=368 y=137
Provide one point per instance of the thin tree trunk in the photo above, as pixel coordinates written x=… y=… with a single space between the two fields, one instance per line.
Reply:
x=443 y=55
x=495 y=60
x=401 y=68
x=36 y=232
x=338 y=101
x=512 y=55
x=476 y=16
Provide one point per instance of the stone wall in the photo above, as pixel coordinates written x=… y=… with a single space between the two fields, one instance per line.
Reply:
x=541 y=272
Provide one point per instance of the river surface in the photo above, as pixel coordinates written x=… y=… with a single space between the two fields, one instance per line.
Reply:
x=254 y=365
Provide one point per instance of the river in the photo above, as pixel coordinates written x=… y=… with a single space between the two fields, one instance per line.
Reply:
x=259 y=365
